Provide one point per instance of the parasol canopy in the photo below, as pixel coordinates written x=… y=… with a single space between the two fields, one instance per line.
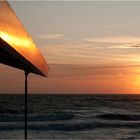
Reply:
x=17 y=48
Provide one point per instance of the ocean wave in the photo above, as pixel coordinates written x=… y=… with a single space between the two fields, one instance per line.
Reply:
x=37 y=118
x=123 y=117
x=76 y=126
x=80 y=126
x=10 y=111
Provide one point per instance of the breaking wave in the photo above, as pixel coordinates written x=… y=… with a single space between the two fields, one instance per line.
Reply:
x=123 y=117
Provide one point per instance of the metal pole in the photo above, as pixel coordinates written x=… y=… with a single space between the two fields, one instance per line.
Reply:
x=26 y=92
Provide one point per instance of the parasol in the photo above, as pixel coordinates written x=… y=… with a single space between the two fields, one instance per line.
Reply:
x=17 y=48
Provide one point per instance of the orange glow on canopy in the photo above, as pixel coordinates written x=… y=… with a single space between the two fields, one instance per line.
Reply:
x=16 y=41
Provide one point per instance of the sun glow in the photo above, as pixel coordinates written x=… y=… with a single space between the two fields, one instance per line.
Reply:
x=135 y=81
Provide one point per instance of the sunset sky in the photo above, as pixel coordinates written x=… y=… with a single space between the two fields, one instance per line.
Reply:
x=91 y=47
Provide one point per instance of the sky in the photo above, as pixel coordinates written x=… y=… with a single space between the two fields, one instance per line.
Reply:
x=91 y=47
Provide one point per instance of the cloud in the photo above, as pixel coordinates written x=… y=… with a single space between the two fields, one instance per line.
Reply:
x=94 y=51
x=133 y=45
x=119 y=25
x=51 y=36
x=117 y=39
x=87 y=71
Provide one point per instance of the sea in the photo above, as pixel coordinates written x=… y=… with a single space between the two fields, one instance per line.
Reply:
x=81 y=117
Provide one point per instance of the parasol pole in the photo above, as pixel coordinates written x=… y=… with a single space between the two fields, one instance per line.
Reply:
x=26 y=97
